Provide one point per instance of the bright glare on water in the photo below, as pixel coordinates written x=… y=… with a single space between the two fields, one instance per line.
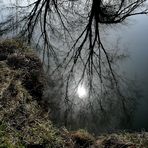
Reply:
x=82 y=92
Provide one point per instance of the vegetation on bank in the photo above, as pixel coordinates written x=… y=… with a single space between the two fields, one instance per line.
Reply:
x=24 y=120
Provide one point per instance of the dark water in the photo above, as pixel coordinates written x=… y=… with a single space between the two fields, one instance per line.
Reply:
x=134 y=38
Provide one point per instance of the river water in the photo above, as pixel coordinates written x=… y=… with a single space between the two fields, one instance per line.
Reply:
x=133 y=37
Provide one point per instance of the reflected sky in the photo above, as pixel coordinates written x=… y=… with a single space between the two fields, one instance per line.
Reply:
x=134 y=37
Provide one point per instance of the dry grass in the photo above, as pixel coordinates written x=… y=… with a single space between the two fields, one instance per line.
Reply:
x=22 y=119
x=82 y=138
x=122 y=140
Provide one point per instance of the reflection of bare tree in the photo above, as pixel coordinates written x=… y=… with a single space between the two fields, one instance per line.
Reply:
x=76 y=26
